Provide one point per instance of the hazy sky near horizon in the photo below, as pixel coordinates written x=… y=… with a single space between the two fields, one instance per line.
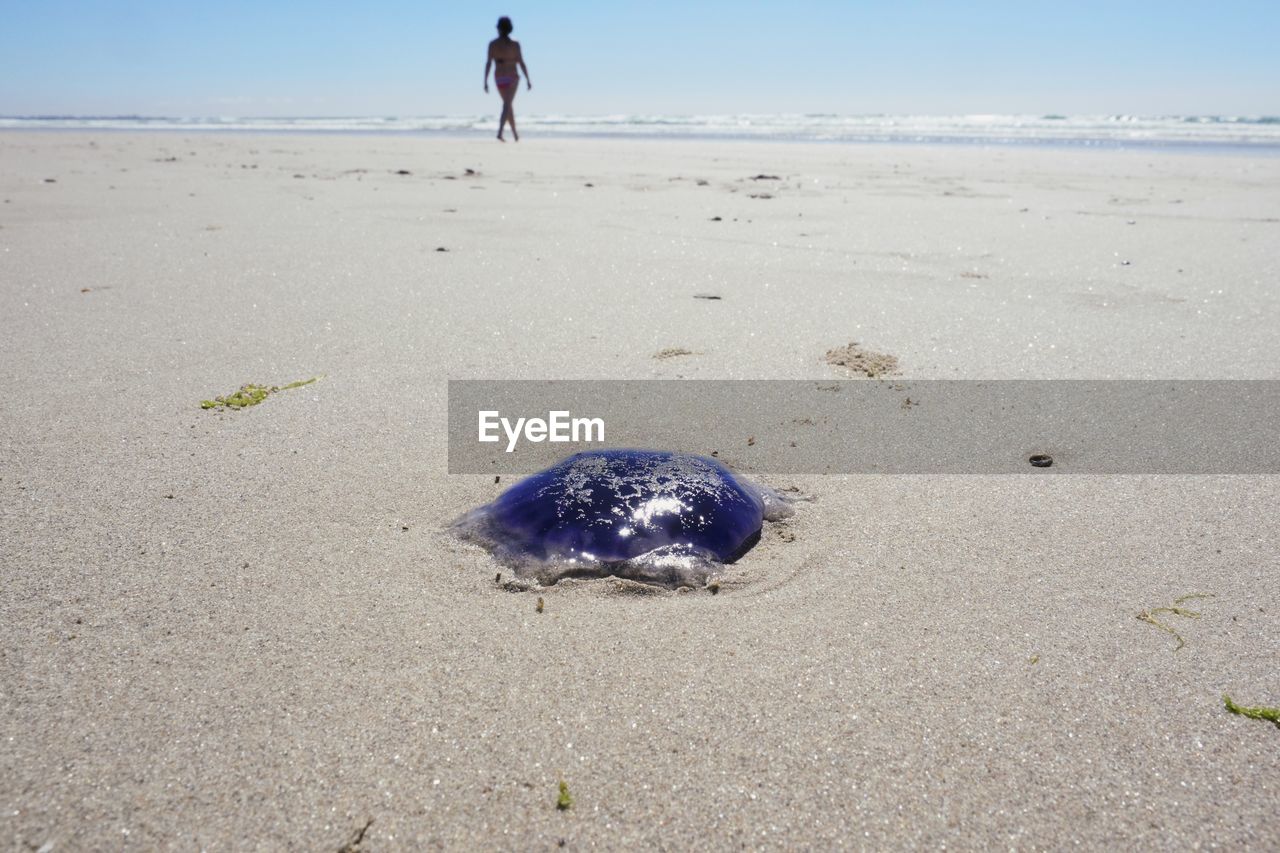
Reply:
x=393 y=57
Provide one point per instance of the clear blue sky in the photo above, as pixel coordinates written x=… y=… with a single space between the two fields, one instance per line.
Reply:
x=389 y=57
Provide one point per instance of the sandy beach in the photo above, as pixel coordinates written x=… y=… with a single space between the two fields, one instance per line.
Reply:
x=250 y=630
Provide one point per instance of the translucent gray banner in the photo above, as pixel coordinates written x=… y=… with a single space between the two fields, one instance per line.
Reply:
x=1037 y=427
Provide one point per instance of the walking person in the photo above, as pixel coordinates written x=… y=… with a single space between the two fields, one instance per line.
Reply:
x=504 y=57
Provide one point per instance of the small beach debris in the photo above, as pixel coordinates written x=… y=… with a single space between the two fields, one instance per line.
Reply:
x=441 y=249
x=50 y=180
x=671 y=352
x=766 y=178
x=540 y=604
x=855 y=359
x=565 y=800
x=588 y=185
x=1149 y=616
x=1271 y=715
x=716 y=219
x=706 y=296
x=251 y=395
x=751 y=440
x=761 y=195
x=353 y=846
x=1033 y=660
x=86 y=289
x=472 y=172
x=1041 y=460
x=403 y=172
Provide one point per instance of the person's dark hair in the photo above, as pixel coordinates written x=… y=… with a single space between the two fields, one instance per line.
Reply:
x=504 y=25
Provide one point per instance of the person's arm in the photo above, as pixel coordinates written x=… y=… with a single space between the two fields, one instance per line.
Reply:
x=520 y=58
x=488 y=62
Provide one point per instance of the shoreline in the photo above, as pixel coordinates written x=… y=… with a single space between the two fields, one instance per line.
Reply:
x=1218 y=149
x=1248 y=134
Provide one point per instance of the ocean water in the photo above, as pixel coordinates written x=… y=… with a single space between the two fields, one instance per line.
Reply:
x=1248 y=132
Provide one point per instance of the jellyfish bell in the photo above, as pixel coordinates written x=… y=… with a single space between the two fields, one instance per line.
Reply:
x=670 y=519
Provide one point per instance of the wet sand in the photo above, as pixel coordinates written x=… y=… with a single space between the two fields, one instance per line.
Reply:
x=247 y=630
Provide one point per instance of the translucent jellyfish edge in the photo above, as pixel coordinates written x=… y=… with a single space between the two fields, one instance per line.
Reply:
x=669 y=566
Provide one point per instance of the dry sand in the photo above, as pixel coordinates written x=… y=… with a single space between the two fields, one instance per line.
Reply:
x=217 y=632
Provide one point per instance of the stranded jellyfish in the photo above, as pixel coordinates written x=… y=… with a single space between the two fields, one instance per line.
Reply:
x=663 y=518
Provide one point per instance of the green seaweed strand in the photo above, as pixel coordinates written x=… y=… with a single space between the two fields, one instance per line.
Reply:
x=1271 y=715
x=1149 y=616
x=251 y=395
x=564 y=801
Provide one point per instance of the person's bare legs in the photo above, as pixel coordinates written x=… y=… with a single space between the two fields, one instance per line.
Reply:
x=508 y=111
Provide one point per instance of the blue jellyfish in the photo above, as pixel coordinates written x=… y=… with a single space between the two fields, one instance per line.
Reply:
x=671 y=519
